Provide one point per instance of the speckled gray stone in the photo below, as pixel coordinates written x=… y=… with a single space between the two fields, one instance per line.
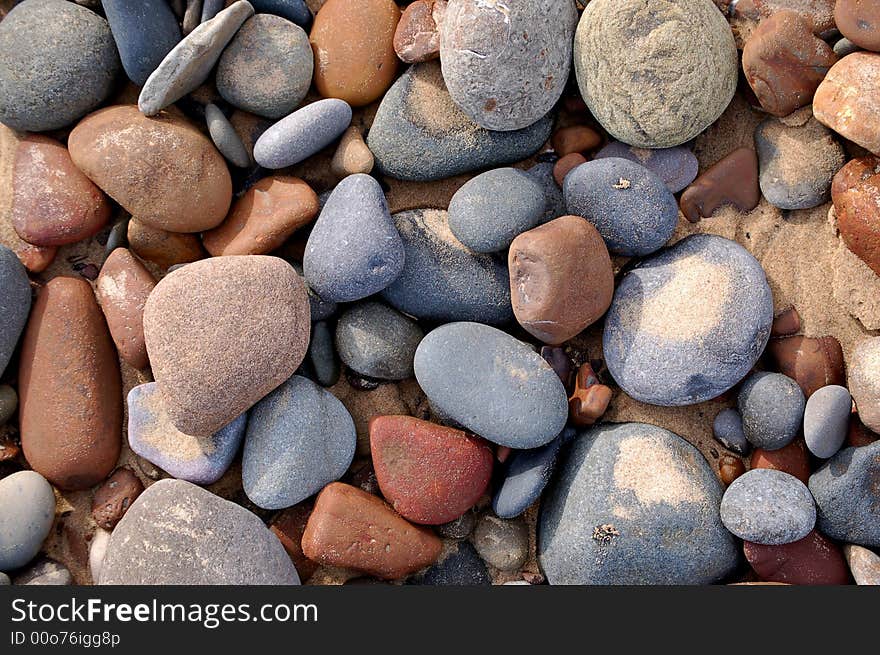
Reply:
x=844 y=47
x=27 y=510
x=554 y=200
x=676 y=166
x=863 y=379
x=688 y=323
x=303 y=133
x=299 y=439
x=492 y=384
x=864 y=564
x=45 y=572
x=460 y=566
x=267 y=68
x=460 y=528
x=772 y=410
x=768 y=507
x=58 y=61
x=178 y=533
x=728 y=431
x=225 y=137
x=502 y=543
x=826 y=420
x=506 y=64
x=491 y=209
x=144 y=31
x=378 y=341
x=657 y=78
x=15 y=303
x=848 y=496
x=322 y=355
x=633 y=504
x=442 y=280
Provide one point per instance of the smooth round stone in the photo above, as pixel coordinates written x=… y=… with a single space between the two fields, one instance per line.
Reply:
x=144 y=32
x=322 y=355
x=46 y=572
x=462 y=566
x=162 y=248
x=492 y=384
x=489 y=210
x=27 y=509
x=677 y=166
x=459 y=528
x=420 y=134
x=813 y=560
x=506 y=65
x=319 y=308
x=120 y=150
x=844 y=47
x=812 y=362
x=57 y=63
x=859 y=21
x=863 y=564
x=630 y=206
x=848 y=497
x=826 y=420
x=296 y=11
x=554 y=200
x=622 y=499
x=225 y=137
x=443 y=280
x=303 y=133
x=655 y=79
x=352 y=155
x=864 y=381
x=417 y=35
x=772 y=410
x=502 y=543
x=378 y=341
x=844 y=100
x=196 y=459
x=15 y=289
x=354 y=249
x=727 y=428
x=768 y=507
x=178 y=533
x=526 y=475
x=267 y=67
x=221 y=334
x=299 y=439
x=113 y=498
x=689 y=323
x=855 y=195
x=8 y=403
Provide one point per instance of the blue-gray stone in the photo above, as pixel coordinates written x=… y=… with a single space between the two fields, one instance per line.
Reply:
x=768 y=507
x=319 y=309
x=491 y=209
x=847 y=493
x=527 y=473
x=322 y=355
x=688 y=323
x=826 y=420
x=728 y=431
x=419 y=133
x=300 y=438
x=176 y=533
x=118 y=237
x=844 y=47
x=15 y=303
x=492 y=384
x=197 y=459
x=554 y=200
x=27 y=509
x=677 y=166
x=303 y=133
x=772 y=410
x=633 y=504
x=630 y=206
x=211 y=8
x=144 y=32
x=293 y=10
x=225 y=137
x=442 y=280
x=378 y=341
x=57 y=63
x=354 y=249
x=45 y=572
x=461 y=566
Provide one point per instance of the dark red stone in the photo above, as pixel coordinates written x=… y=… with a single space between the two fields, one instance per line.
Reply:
x=731 y=181
x=813 y=560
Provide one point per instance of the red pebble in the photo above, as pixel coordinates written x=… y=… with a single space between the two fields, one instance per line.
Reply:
x=813 y=560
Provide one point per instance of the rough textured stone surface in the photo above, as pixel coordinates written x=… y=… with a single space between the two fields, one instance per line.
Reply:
x=844 y=100
x=378 y=341
x=417 y=36
x=864 y=381
x=676 y=166
x=113 y=498
x=303 y=133
x=855 y=192
x=772 y=410
x=225 y=137
x=732 y=180
x=826 y=420
x=526 y=474
x=178 y=533
x=863 y=564
x=728 y=431
x=461 y=566
x=15 y=303
x=27 y=510
x=859 y=21
x=811 y=362
x=813 y=560
x=655 y=79
x=144 y=32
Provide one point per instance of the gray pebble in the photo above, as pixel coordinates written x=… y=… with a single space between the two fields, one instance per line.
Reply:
x=826 y=420
x=144 y=32
x=192 y=17
x=27 y=510
x=118 y=237
x=772 y=410
x=303 y=133
x=225 y=137
x=4 y=580
x=460 y=528
x=502 y=543
x=554 y=200
x=378 y=341
x=728 y=431
x=46 y=572
x=211 y=8
x=320 y=309
x=322 y=355
x=844 y=47
x=8 y=403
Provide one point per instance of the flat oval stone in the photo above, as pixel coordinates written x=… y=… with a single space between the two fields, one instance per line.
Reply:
x=492 y=384
x=772 y=410
x=225 y=137
x=322 y=355
x=864 y=381
x=506 y=65
x=420 y=134
x=296 y=11
x=113 y=498
x=859 y=21
x=27 y=510
x=178 y=533
x=16 y=293
x=502 y=543
x=378 y=341
x=732 y=180
x=727 y=428
x=299 y=439
x=676 y=166
x=144 y=32
x=70 y=412
x=303 y=133
x=267 y=67
x=491 y=209
x=844 y=100
x=57 y=63
x=863 y=564
x=196 y=459
x=164 y=249
x=525 y=476
x=631 y=207
x=826 y=420
x=689 y=323
x=120 y=150
x=461 y=566
x=813 y=560
x=431 y=474
x=623 y=496
x=442 y=279
x=221 y=334
x=768 y=507
x=53 y=203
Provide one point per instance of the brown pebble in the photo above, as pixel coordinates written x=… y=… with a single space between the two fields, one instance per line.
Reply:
x=114 y=497
x=561 y=363
x=502 y=453
x=417 y=37
x=564 y=165
x=730 y=468
x=289 y=526
x=855 y=193
x=792 y=459
x=589 y=400
x=820 y=12
x=352 y=155
x=163 y=248
x=731 y=181
x=812 y=362
x=859 y=21
x=70 y=389
x=8 y=451
x=858 y=434
x=36 y=259
x=847 y=100
x=578 y=138
x=813 y=560
x=786 y=323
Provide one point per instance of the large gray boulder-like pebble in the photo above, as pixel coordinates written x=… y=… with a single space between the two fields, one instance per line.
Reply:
x=144 y=31
x=826 y=420
x=768 y=507
x=633 y=504
x=27 y=509
x=300 y=135
x=688 y=323
x=15 y=303
x=506 y=64
x=655 y=78
x=492 y=384
x=176 y=533
x=863 y=378
x=772 y=409
x=58 y=62
x=378 y=341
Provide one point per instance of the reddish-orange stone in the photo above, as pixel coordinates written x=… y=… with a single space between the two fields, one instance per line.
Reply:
x=578 y=138
x=114 y=497
x=430 y=473
x=589 y=400
x=791 y=459
x=163 y=248
x=564 y=165
x=855 y=192
x=813 y=560
x=812 y=362
x=730 y=468
x=289 y=526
